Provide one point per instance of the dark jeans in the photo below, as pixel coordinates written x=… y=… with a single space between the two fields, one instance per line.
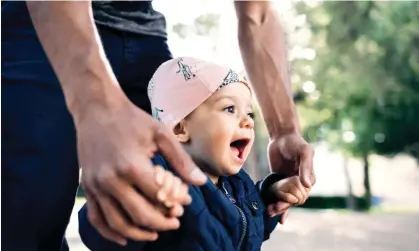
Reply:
x=40 y=172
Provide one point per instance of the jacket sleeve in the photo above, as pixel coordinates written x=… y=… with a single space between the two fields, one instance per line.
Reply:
x=268 y=198
x=95 y=242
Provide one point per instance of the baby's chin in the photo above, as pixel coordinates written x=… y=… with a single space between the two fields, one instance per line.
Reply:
x=231 y=170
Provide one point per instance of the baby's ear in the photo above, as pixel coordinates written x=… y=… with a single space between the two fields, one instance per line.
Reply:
x=181 y=131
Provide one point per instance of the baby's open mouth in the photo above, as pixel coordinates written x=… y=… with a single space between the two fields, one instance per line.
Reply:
x=238 y=146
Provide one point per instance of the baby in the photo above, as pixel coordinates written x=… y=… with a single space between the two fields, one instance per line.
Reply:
x=209 y=109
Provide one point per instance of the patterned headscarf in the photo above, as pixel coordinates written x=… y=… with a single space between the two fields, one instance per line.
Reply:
x=180 y=85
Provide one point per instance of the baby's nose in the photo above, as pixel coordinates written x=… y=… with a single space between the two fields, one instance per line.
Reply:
x=247 y=122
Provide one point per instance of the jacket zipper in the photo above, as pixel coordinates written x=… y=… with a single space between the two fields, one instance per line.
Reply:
x=243 y=217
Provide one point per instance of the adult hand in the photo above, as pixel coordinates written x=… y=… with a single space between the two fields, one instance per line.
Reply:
x=290 y=155
x=115 y=145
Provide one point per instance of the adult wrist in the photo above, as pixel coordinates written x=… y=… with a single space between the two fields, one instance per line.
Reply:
x=276 y=129
x=95 y=94
x=91 y=83
x=280 y=116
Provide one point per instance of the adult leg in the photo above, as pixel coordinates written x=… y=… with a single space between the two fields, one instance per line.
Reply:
x=40 y=172
x=142 y=56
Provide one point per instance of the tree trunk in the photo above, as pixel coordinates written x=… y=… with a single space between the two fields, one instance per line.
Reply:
x=367 y=185
x=350 y=202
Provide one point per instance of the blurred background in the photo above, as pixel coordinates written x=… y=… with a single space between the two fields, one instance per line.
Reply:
x=355 y=76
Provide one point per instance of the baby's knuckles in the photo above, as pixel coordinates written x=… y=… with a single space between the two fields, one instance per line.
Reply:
x=177 y=192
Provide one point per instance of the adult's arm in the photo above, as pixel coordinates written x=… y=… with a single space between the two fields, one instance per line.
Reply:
x=70 y=39
x=115 y=139
x=262 y=44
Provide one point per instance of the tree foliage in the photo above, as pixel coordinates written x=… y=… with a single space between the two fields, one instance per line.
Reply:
x=366 y=73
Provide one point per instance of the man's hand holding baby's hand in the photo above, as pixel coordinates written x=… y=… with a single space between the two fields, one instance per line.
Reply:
x=287 y=191
x=289 y=155
x=291 y=190
x=173 y=193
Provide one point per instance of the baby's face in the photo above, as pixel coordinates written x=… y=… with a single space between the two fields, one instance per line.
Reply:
x=221 y=130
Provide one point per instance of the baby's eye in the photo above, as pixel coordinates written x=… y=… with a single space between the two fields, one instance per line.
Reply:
x=230 y=109
x=251 y=115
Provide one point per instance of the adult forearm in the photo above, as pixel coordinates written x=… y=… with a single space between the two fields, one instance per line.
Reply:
x=262 y=44
x=70 y=39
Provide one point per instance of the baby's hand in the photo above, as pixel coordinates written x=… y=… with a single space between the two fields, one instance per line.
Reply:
x=173 y=193
x=290 y=190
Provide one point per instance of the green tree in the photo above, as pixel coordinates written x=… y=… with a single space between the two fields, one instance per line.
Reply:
x=366 y=76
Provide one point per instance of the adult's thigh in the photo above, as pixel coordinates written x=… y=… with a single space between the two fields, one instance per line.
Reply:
x=142 y=56
x=40 y=171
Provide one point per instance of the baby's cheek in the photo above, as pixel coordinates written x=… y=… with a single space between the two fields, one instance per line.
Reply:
x=217 y=142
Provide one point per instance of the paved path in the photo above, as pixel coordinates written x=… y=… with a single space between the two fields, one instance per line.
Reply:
x=328 y=231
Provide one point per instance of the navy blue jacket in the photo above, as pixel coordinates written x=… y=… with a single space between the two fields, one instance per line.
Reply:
x=228 y=217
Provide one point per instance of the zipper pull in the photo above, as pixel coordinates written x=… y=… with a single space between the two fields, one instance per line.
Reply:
x=231 y=198
x=228 y=195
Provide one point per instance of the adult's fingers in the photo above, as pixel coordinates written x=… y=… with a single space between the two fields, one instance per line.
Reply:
x=178 y=158
x=170 y=212
x=140 y=210
x=176 y=211
x=97 y=220
x=137 y=170
x=118 y=223
x=306 y=171
x=300 y=192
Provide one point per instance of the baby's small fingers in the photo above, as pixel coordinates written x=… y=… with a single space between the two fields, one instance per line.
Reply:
x=278 y=208
x=159 y=175
x=176 y=211
x=308 y=190
x=182 y=193
x=184 y=196
x=284 y=216
x=163 y=193
x=174 y=192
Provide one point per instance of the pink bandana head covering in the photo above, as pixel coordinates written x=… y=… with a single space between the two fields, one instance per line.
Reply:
x=180 y=85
